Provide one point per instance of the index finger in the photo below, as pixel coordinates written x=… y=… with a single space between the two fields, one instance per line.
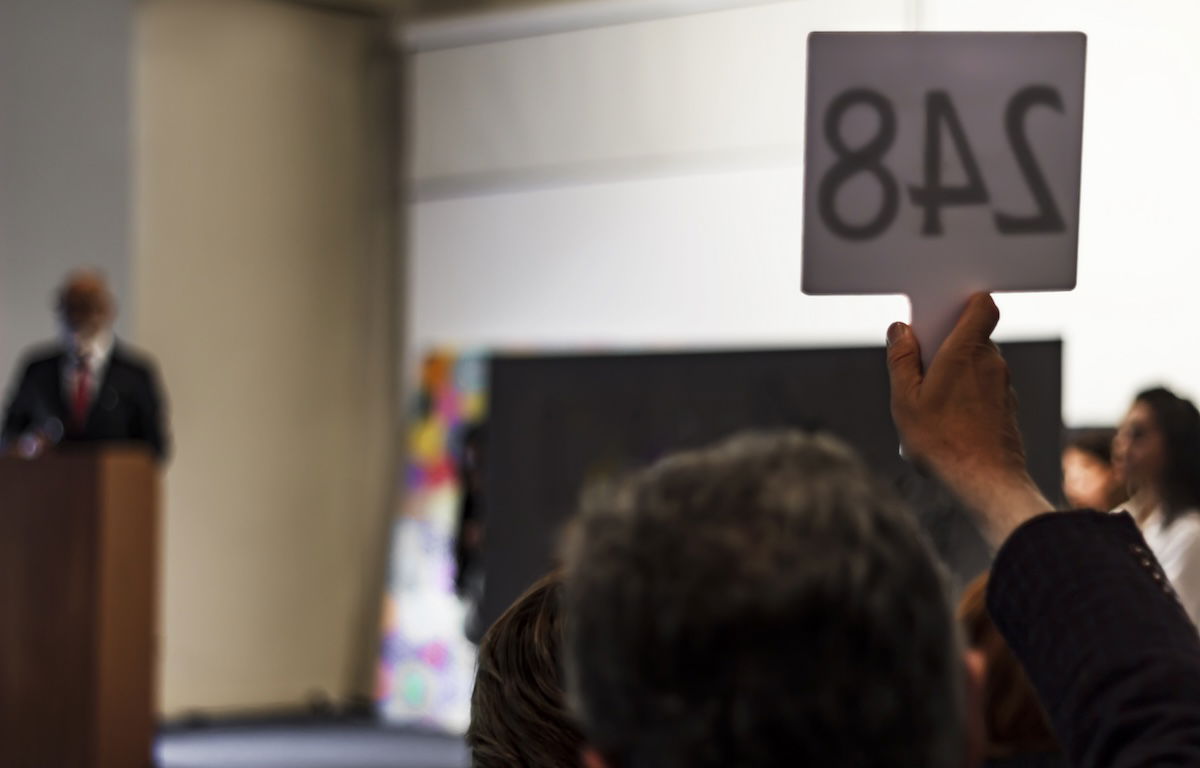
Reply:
x=976 y=323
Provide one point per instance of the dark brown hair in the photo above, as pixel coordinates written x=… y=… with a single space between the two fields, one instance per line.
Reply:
x=1015 y=721
x=1179 y=422
x=519 y=715
x=1094 y=441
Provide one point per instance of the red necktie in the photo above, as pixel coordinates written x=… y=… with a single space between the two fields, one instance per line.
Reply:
x=83 y=396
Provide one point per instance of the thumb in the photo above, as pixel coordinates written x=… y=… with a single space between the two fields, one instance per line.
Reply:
x=903 y=360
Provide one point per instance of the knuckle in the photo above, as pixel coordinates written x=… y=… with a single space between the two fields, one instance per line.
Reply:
x=986 y=306
x=992 y=312
x=898 y=355
x=994 y=365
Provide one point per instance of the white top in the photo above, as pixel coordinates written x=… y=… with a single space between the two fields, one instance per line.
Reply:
x=1177 y=547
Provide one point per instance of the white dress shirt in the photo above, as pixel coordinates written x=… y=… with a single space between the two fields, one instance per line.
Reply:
x=1177 y=547
x=96 y=355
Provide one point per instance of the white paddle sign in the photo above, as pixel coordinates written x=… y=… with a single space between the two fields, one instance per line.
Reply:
x=938 y=164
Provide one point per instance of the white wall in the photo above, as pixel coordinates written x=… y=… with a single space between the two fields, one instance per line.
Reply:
x=627 y=185
x=64 y=157
x=1134 y=318
x=639 y=184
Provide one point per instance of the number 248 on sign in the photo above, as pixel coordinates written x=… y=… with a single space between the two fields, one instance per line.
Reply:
x=941 y=123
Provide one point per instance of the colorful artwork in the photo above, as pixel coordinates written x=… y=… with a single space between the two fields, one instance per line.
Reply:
x=427 y=665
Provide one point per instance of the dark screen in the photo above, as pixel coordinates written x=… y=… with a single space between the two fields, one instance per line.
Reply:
x=557 y=422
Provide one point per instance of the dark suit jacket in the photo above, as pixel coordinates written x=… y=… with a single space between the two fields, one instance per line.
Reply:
x=1046 y=760
x=1114 y=658
x=127 y=407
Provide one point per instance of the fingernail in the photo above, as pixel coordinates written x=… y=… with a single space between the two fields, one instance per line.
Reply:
x=894 y=332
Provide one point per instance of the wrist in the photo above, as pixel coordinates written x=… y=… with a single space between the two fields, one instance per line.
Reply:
x=1000 y=496
x=1007 y=506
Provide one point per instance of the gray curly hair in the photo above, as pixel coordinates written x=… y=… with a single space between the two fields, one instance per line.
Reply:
x=760 y=602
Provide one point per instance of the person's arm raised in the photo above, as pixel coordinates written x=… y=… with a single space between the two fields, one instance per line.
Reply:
x=1078 y=596
x=959 y=419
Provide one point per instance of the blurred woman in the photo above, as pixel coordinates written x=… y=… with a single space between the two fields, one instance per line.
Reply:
x=1156 y=454
x=1089 y=481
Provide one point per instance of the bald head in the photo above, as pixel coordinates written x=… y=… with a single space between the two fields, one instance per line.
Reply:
x=85 y=305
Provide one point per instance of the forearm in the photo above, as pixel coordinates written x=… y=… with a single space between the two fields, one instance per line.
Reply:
x=1001 y=504
x=999 y=497
x=1114 y=658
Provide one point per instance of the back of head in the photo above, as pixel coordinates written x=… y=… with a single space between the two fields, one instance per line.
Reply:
x=518 y=711
x=758 y=603
x=1179 y=422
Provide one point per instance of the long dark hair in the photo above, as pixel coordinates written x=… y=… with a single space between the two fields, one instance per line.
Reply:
x=1179 y=422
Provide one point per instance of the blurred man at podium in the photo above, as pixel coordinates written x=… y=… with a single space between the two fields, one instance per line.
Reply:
x=89 y=387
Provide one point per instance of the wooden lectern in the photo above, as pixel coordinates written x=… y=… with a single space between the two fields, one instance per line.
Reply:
x=78 y=595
